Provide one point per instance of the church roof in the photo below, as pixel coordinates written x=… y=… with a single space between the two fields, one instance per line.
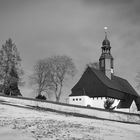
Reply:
x=95 y=83
x=124 y=85
x=106 y=42
x=118 y=84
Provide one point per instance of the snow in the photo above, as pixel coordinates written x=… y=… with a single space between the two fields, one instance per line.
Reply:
x=27 y=124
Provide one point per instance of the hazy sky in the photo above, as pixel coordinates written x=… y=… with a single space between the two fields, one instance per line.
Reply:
x=41 y=28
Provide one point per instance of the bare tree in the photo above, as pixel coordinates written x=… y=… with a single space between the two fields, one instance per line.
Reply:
x=51 y=73
x=10 y=68
x=41 y=76
x=60 y=67
x=93 y=65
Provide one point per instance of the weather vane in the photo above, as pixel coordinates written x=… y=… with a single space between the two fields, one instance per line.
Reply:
x=105 y=28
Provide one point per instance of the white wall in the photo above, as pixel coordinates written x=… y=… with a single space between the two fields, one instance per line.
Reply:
x=133 y=108
x=96 y=102
x=85 y=100
x=80 y=100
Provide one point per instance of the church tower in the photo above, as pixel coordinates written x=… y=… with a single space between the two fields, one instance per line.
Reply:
x=106 y=59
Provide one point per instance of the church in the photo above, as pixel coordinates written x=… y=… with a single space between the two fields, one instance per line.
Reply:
x=97 y=85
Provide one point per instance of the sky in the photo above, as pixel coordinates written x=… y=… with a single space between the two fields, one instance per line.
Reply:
x=42 y=28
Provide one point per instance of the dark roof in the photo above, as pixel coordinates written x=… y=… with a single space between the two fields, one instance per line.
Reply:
x=124 y=85
x=106 y=42
x=104 y=79
x=95 y=83
x=116 y=82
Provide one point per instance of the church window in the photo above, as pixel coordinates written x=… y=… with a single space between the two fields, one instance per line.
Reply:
x=73 y=99
x=76 y=99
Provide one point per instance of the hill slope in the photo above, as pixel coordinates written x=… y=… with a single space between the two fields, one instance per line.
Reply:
x=27 y=124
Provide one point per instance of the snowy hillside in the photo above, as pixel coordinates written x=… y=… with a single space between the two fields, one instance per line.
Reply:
x=26 y=124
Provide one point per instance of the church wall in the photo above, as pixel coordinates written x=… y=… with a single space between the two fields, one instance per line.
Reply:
x=99 y=102
x=133 y=108
x=80 y=100
x=95 y=102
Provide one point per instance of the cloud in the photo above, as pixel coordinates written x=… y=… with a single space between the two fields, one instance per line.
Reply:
x=75 y=28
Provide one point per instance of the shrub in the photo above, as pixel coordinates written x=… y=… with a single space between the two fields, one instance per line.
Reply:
x=41 y=97
x=108 y=104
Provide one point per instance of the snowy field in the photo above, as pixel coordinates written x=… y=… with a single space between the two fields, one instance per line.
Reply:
x=26 y=124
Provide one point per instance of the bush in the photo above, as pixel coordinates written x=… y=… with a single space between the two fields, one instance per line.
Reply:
x=89 y=106
x=108 y=104
x=41 y=97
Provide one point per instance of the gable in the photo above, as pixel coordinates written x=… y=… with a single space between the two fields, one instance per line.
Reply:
x=90 y=85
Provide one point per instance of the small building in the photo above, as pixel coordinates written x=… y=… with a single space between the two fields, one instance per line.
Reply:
x=96 y=85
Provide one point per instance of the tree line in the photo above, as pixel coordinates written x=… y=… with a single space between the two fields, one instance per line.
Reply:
x=49 y=74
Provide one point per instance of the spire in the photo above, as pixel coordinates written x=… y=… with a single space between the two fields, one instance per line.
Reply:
x=106 y=42
x=105 y=28
x=106 y=59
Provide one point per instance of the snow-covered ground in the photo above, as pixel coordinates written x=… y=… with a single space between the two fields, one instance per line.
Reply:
x=26 y=124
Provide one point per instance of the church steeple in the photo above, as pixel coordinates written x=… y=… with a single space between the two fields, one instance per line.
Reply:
x=106 y=59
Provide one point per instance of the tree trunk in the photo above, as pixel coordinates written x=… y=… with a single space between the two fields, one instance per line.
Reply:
x=39 y=92
x=57 y=99
x=59 y=94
